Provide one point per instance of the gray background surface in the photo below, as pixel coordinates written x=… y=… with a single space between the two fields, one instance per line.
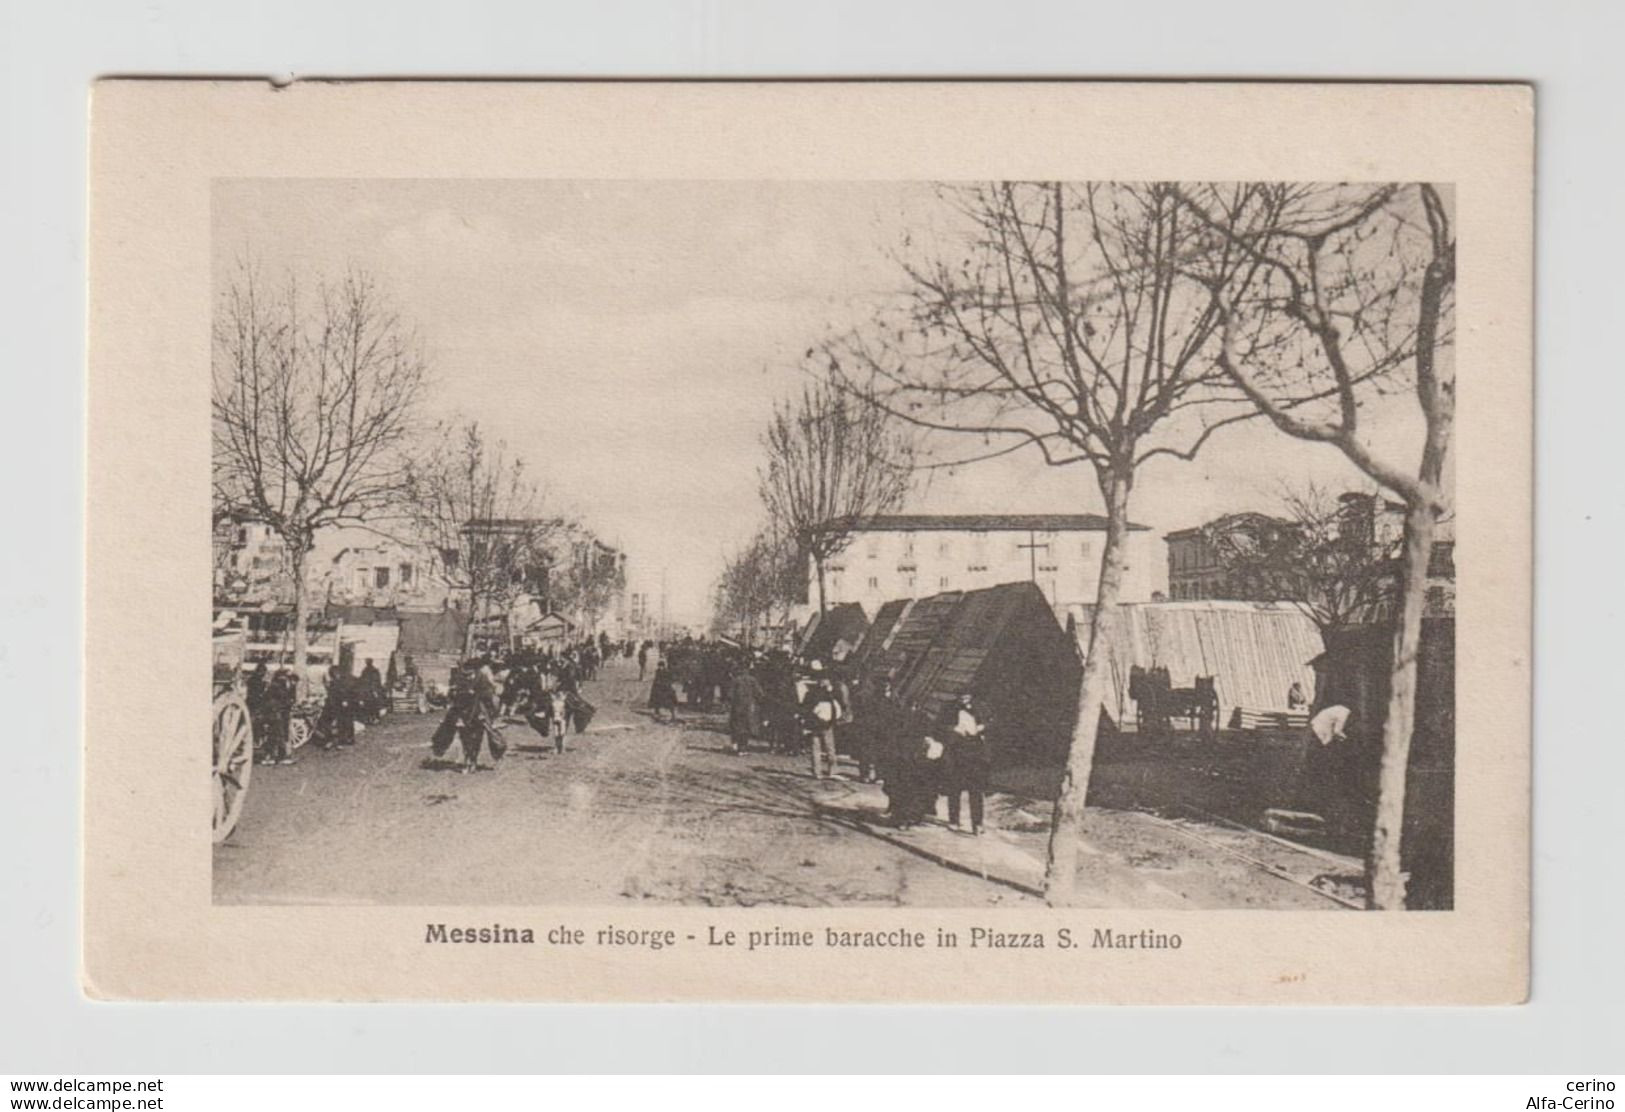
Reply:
x=50 y=52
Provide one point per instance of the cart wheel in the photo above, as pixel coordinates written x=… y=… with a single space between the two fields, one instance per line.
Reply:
x=298 y=732
x=233 y=762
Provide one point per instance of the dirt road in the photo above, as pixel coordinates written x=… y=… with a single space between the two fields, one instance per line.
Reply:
x=634 y=811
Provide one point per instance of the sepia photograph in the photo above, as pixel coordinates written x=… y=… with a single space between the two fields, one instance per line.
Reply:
x=752 y=542
x=928 y=544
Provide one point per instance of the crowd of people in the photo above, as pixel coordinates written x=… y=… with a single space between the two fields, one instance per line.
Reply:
x=823 y=709
x=541 y=687
x=772 y=699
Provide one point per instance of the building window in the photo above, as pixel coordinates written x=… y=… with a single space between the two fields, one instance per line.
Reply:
x=942 y=583
x=873 y=548
x=945 y=548
x=1084 y=549
x=406 y=574
x=380 y=577
x=874 y=583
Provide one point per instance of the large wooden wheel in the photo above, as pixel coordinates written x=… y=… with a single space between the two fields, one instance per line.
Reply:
x=233 y=761
x=298 y=731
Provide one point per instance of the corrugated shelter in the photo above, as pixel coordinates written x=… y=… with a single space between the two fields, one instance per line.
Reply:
x=1255 y=651
x=846 y=622
x=879 y=637
x=1003 y=645
x=443 y=631
x=918 y=627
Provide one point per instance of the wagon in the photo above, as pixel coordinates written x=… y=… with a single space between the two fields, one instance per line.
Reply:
x=233 y=753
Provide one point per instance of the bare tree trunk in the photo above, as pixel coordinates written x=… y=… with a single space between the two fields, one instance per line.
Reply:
x=1066 y=829
x=818 y=563
x=297 y=553
x=1385 y=884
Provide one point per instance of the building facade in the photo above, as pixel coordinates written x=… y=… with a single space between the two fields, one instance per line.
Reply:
x=1196 y=568
x=897 y=556
x=385 y=574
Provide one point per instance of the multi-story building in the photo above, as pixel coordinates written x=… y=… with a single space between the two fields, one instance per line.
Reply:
x=388 y=573
x=250 y=561
x=896 y=556
x=1196 y=567
x=1197 y=570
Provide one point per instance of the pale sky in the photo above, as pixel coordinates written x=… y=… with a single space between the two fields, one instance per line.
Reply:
x=630 y=339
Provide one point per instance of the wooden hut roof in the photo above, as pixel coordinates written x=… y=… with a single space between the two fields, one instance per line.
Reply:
x=846 y=622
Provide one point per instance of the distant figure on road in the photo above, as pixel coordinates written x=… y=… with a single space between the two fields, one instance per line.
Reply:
x=372 y=692
x=744 y=708
x=662 y=692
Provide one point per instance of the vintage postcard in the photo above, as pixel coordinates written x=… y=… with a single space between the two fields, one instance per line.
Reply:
x=944 y=542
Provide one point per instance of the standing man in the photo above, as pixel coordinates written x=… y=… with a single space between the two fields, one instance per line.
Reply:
x=372 y=692
x=965 y=734
x=258 y=696
x=284 y=693
x=337 y=722
x=744 y=702
x=820 y=711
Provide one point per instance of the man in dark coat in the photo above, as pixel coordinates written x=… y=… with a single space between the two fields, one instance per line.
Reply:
x=744 y=703
x=480 y=719
x=662 y=692
x=283 y=694
x=372 y=692
x=258 y=696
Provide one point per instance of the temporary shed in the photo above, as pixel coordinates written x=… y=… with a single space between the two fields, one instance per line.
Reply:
x=1355 y=671
x=434 y=642
x=366 y=633
x=1255 y=651
x=844 y=623
x=440 y=632
x=1003 y=645
x=550 y=629
x=879 y=636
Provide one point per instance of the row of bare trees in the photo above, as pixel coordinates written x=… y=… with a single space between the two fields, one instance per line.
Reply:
x=832 y=460
x=317 y=425
x=1108 y=324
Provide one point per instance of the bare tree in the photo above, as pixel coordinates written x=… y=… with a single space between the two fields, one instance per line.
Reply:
x=832 y=462
x=585 y=575
x=1323 y=554
x=759 y=585
x=1060 y=318
x=313 y=404
x=1356 y=300
x=478 y=508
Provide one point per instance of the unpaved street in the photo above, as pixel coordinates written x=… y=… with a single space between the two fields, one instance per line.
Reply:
x=635 y=811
